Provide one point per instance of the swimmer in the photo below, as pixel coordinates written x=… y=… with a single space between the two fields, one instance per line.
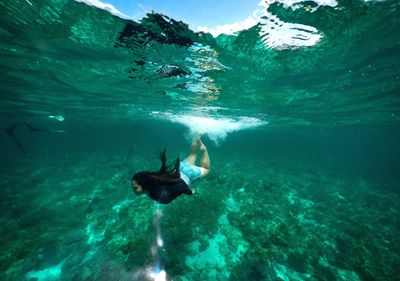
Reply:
x=170 y=182
x=10 y=130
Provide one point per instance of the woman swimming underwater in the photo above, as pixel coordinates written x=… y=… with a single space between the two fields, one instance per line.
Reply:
x=170 y=182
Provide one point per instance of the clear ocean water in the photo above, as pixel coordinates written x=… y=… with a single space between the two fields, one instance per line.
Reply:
x=303 y=139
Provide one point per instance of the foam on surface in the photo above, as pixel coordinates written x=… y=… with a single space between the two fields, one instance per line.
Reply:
x=217 y=129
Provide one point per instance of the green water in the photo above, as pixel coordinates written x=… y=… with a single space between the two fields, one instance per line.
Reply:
x=304 y=145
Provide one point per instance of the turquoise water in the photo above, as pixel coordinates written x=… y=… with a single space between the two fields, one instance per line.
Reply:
x=303 y=137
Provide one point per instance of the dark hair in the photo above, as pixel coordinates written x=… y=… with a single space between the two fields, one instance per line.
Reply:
x=166 y=174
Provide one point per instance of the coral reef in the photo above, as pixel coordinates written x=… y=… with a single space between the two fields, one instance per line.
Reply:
x=265 y=224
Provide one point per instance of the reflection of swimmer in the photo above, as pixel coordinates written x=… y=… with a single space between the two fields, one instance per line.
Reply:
x=170 y=182
x=11 y=132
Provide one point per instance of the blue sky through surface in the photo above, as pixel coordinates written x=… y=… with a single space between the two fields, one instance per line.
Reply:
x=225 y=16
x=196 y=13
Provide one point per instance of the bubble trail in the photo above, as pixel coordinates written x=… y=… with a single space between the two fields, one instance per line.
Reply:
x=157 y=273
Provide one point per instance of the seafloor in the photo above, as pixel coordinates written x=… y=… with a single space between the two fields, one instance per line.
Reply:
x=77 y=219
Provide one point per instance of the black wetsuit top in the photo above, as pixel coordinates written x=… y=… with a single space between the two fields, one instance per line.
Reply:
x=166 y=193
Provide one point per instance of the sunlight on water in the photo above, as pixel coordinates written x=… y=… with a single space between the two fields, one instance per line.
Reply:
x=280 y=35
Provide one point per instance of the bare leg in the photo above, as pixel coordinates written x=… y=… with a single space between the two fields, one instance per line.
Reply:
x=191 y=159
x=205 y=160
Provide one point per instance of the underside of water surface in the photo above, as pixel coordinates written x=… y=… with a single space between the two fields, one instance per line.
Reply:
x=300 y=114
